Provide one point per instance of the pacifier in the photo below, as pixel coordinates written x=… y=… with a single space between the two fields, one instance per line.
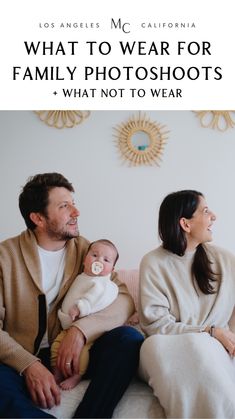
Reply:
x=97 y=268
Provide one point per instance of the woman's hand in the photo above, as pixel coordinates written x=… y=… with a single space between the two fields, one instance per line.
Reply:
x=226 y=338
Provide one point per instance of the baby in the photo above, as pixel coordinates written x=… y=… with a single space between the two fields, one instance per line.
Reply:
x=90 y=292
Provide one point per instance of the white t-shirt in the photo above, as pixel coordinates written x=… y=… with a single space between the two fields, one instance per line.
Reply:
x=52 y=266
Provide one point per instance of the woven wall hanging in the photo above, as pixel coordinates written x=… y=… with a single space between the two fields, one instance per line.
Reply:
x=221 y=120
x=62 y=119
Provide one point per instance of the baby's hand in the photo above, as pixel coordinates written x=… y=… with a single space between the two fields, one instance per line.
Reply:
x=133 y=320
x=74 y=312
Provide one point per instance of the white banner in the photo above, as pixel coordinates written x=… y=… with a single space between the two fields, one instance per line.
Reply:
x=148 y=55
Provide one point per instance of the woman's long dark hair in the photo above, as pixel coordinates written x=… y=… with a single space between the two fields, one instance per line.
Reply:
x=175 y=206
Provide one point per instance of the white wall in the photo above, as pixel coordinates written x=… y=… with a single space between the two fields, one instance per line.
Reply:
x=117 y=201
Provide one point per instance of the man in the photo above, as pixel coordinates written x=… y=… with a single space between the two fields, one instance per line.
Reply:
x=36 y=269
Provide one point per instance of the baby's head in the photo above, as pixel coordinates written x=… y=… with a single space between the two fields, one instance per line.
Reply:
x=100 y=258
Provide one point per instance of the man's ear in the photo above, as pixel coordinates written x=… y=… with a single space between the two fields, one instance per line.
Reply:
x=37 y=218
x=185 y=225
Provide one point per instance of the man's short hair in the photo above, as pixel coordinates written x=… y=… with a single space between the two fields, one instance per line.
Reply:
x=35 y=194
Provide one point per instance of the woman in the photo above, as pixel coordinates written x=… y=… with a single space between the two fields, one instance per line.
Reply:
x=187 y=295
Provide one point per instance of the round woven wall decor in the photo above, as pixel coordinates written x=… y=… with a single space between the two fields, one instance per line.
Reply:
x=146 y=153
x=62 y=119
x=221 y=120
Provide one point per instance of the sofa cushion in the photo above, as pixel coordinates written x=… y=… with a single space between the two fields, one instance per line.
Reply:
x=131 y=279
x=138 y=401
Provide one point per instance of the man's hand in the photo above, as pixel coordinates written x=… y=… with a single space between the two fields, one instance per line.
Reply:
x=41 y=385
x=69 y=352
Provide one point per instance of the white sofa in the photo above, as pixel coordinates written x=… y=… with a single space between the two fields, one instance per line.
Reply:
x=138 y=400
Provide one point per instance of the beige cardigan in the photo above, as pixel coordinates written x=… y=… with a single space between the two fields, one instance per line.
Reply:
x=23 y=318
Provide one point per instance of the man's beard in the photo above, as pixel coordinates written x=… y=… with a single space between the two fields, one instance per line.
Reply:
x=57 y=234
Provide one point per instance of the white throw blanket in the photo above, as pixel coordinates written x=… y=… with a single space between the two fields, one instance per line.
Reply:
x=169 y=365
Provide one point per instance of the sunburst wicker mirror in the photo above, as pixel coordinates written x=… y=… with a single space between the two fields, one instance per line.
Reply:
x=141 y=141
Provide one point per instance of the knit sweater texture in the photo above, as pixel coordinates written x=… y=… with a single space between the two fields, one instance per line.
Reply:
x=170 y=300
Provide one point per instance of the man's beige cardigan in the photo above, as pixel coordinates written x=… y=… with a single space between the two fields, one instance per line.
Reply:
x=23 y=314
